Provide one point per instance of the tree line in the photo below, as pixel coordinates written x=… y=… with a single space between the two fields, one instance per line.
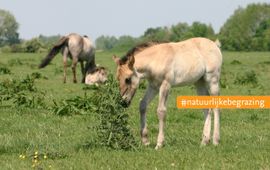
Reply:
x=248 y=29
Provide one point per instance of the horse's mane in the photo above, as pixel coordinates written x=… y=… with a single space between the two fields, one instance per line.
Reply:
x=138 y=49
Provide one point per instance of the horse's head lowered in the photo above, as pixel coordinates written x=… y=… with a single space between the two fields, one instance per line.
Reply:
x=127 y=77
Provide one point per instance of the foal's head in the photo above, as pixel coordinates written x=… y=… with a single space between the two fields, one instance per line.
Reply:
x=127 y=77
x=98 y=75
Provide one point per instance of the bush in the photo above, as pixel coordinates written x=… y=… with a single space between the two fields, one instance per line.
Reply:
x=22 y=93
x=4 y=70
x=248 y=77
x=33 y=46
x=6 y=49
x=112 y=130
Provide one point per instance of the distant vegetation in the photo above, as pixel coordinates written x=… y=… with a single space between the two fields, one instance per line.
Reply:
x=248 y=29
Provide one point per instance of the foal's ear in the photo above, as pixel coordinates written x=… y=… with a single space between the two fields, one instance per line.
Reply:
x=116 y=59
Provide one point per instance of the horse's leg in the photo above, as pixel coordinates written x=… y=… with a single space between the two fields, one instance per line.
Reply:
x=83 y=71
x=214 y=91
x=148 y=97
x=203 y=91
x=65 y=57
x=74 y=64
x=161 y=111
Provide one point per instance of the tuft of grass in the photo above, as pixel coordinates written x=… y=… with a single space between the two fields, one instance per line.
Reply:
x=249 y=77
x=15 y=62
x=236 y=62
x=265 y=62
x=4 y=70
x=75 y=105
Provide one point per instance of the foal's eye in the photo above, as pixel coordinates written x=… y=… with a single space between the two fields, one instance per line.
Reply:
x=128 y=80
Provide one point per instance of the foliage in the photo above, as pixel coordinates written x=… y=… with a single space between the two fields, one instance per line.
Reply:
x=76 y=105
x=8 y=29
x=105 y=42
x=112 y=129
x=245 y=132
x=33 y=45
x=248 y=77
x=4 y=70
x=175 y=33
x=247 y=29
x=22 y=93
x=48 y=41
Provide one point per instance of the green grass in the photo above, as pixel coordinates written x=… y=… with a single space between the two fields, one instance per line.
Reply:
x=245 y=137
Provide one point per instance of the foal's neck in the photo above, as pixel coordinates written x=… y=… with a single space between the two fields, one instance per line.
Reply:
x=140 y=64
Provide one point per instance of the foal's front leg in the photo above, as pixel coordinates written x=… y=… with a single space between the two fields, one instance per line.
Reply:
x=161 y=111
x=148 y=97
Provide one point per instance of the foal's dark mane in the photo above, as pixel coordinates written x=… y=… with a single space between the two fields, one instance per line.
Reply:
x=138 y=49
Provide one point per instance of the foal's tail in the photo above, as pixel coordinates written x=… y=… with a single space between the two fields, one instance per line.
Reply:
x=218 y=43
x=62 y=42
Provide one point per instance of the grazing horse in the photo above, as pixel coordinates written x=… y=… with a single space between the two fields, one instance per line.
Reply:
x=97 y=75
x=78 y=48
x=194 y=61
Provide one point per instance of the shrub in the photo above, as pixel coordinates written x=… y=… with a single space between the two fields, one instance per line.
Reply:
x=22 y=93
x=4 y=70
x=106 y=104
x=248 y=77
x=33 y=46
x=113 y=130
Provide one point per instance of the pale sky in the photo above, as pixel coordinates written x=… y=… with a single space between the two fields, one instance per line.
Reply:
x=115 y=17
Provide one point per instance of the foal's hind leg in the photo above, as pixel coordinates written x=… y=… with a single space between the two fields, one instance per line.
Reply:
x=148 y=97
x=214 y=91
x=203 y=91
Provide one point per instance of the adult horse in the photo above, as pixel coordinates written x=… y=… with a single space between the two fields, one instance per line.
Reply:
x=79 y=49
x=194 y=61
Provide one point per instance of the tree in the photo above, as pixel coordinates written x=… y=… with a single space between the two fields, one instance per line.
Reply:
x=246 y=28
x=125 y=42
x=179 y=31
x=8 y=28
x=105 y=42
x=157 y=34
x=201 y=30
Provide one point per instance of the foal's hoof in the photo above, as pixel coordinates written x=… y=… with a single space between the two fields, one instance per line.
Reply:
x=145 y=142
x=205 y=142
x=216 y=142
x=158 y=146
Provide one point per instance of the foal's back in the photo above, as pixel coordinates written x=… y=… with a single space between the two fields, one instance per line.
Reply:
x=181 y=63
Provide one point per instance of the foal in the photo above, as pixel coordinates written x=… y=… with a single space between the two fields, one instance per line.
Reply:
x=194 y=61
x=97 y=75
x=76 y=47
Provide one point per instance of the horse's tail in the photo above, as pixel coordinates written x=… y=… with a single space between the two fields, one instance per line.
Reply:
x=62 y=42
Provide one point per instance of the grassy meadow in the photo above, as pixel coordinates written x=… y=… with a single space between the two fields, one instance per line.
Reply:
x=62 y=142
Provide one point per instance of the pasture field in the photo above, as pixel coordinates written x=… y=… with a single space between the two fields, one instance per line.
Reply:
x=245 y=137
